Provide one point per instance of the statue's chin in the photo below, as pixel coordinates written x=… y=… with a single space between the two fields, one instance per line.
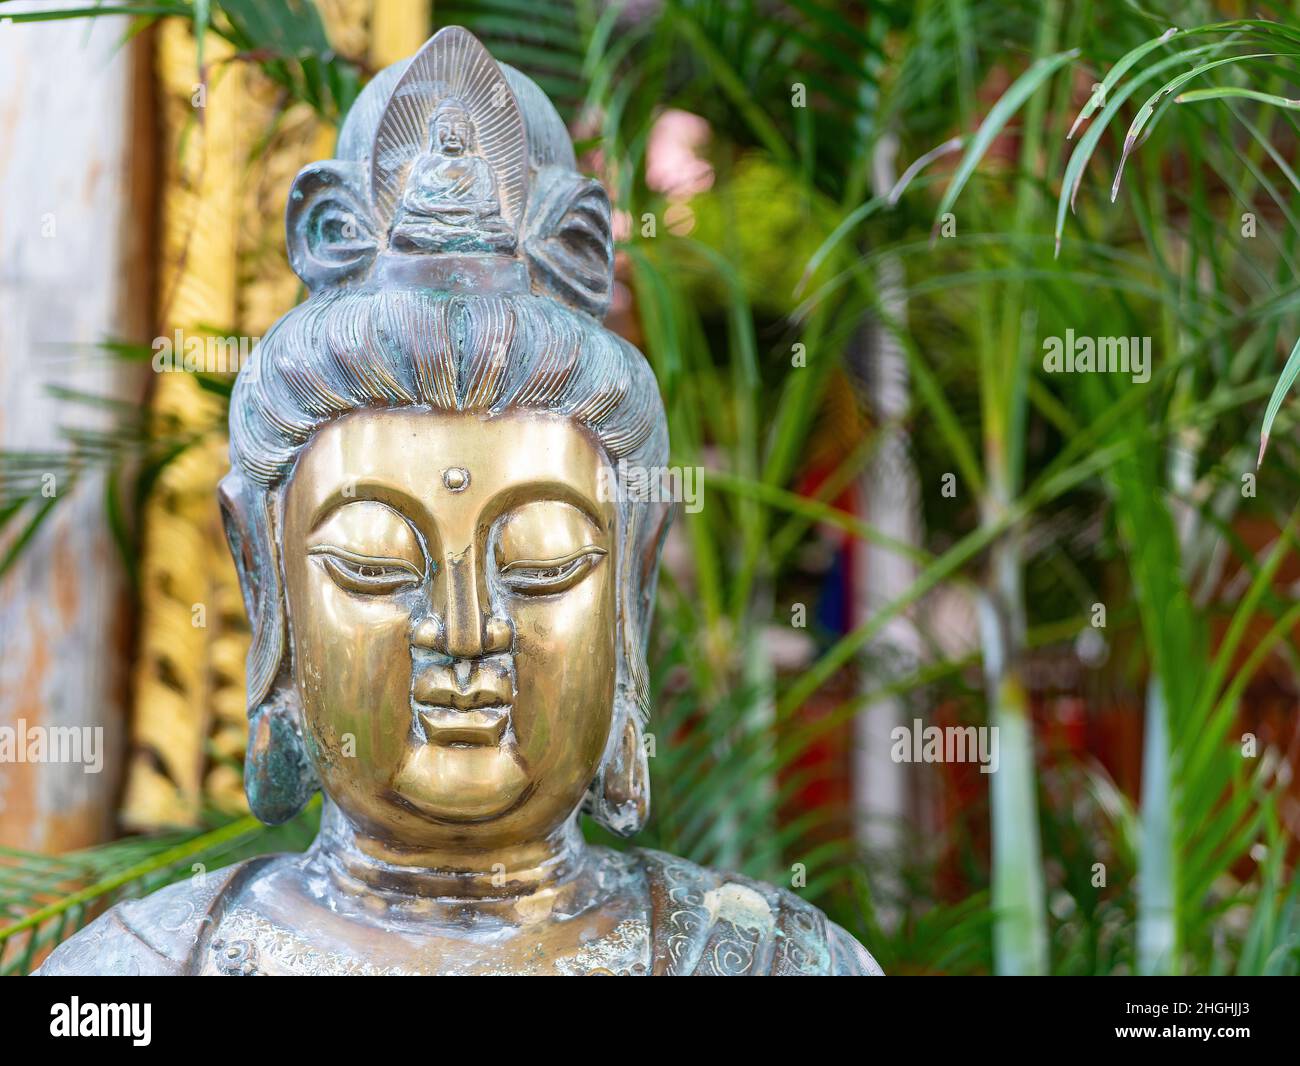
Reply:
x=461 y=783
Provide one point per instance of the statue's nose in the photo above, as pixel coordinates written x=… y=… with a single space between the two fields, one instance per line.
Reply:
x=496 y=636
x=463 y=631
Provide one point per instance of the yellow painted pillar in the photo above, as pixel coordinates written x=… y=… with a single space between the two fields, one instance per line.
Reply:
x=230 y=160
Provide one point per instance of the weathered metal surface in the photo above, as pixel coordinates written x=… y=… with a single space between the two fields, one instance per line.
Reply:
x=449 y=588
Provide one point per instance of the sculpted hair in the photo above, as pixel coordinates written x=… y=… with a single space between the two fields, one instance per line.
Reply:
x=352 y=348
x=345 y=349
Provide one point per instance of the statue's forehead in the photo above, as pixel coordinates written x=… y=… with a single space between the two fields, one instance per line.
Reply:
x=465 y=459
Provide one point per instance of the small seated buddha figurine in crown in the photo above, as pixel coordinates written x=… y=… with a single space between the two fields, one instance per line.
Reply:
x=449 y=613
x=450 y=203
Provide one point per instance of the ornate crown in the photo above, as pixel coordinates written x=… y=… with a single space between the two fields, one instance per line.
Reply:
x=454 y=173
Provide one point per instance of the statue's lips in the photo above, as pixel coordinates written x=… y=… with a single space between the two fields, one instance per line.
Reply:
x=483 y=726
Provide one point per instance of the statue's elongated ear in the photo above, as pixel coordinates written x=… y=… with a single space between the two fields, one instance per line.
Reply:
x=570 y=239
x=619 y=797
x=279 y=778
x=244 y=514
x=329 y=225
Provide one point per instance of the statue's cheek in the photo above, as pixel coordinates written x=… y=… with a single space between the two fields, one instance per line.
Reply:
x=565 y=665
x=352 y=662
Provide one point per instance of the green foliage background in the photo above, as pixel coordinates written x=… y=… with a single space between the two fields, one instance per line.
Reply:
x=1074 y=489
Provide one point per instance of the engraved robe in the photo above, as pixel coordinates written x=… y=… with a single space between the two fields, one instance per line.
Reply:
x=692 y=921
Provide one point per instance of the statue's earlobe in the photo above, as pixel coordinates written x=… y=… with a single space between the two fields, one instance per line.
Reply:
x=279 y=778
x=328 y=223
x=622 y=800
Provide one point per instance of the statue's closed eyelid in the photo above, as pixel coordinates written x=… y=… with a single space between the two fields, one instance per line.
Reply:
x=546 y=564
x=360 y=559
x=539 y=577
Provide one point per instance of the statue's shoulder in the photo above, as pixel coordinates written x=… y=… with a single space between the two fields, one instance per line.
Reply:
x=161 y=934
x=710 y=922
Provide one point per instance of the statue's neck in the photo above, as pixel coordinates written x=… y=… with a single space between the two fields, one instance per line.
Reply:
x=555 y=873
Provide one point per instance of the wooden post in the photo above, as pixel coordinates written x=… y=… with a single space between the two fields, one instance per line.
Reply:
x=70 y=278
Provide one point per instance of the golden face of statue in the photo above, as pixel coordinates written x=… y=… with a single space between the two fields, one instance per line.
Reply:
x=451 y=586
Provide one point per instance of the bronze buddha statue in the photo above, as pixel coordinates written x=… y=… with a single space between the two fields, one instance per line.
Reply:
x=449 y=612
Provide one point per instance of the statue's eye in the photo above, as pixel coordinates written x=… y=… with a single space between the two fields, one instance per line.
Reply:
x=538 y=577
x=366 y=574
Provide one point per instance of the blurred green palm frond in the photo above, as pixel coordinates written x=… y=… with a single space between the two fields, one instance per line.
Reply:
x=44 y=899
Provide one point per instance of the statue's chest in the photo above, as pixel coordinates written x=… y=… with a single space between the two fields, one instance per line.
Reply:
x=452 y=170
x=248 y=943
